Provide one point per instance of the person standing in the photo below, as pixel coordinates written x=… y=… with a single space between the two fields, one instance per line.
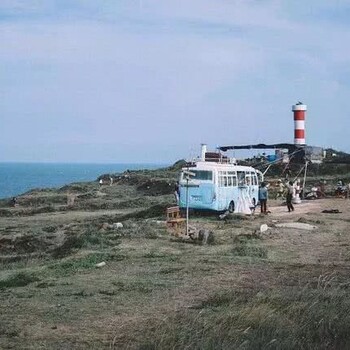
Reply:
x=14 y=201
x=280 y=190
x=177 y=192
x=290 y=195
x=263 y=196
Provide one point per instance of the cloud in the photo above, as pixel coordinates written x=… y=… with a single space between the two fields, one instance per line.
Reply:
x=168 y=74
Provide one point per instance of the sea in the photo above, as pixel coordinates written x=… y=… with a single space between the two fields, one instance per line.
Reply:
x=17 y=178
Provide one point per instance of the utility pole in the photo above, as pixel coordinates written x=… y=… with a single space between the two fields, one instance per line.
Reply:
x=187 y=205
x=187 y=175
x=306 y=164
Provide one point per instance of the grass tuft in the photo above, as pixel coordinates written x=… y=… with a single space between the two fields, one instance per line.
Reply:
x=299 y=318
x=71 y=244
x=19 y=279
x=248 y=248
x=140 y=286
x=72 y=266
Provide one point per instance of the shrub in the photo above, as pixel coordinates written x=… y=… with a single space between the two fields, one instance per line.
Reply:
x=72 y=266
x=243 y=247
x=19 y=279
x=293 y=318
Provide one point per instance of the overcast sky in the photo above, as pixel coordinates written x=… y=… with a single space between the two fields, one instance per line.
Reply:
x=149 y=80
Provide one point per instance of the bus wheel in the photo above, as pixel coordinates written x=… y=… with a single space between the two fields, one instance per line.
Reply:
x=231 y=207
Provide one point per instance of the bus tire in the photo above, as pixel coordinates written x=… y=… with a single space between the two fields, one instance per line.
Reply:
x=231 y=207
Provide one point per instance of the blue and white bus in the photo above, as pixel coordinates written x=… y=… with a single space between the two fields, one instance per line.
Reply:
x=218 y=186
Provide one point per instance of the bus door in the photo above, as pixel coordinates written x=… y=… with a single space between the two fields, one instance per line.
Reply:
x=249 y=183
x=254 y=188
x=232 y=189
x=243 y=188
x=222 y=190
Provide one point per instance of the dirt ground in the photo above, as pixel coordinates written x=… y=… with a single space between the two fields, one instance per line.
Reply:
x=149 y=278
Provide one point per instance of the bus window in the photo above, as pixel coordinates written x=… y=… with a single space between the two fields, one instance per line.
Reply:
x=229 y=181
x=248 y=180
x=202 y=175
x=241 y=178
x=234 y=181
x=255 y=180
x=225 y=181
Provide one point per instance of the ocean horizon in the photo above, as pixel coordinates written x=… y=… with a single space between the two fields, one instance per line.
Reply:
x=19 y=177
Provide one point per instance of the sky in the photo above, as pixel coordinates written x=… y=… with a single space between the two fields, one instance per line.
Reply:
x=150 y=80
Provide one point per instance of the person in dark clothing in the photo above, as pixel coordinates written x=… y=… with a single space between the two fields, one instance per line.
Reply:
x=288 y=173
x=263 y=196
x=14 y=202
x=289 y=197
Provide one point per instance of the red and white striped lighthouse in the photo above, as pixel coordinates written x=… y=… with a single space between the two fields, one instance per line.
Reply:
x=299 y=111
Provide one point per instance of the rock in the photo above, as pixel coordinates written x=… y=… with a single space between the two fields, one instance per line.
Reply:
x=117 y=225
x=206 y=236
x=105 y=226
x=263 y=228
x=100 y=194
x=223 y=216
x=297 y=225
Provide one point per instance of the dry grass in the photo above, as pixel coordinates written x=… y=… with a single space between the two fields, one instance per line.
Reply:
x=286 y=289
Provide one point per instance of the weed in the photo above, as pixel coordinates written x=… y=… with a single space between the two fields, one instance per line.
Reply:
x=169 y=270
x=108 y=292
x=50 y=229
x=151 y=235
x=140 y=286
x=72 y=266
x=71 y=243
x=92 y=238
x=82 y=294
x=143 y=228
x=6 y=212
x=297 y=318
x=243 y=247
x=20 y=279
x=45 y=284
x=155 y=211
x=225 y=298
x=153 y=254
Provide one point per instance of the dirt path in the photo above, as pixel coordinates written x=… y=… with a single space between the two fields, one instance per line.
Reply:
x=308 y=207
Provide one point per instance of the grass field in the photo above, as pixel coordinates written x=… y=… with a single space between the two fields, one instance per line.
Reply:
x=285 y=289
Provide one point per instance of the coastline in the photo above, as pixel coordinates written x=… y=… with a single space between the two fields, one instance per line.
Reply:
x=17 y=178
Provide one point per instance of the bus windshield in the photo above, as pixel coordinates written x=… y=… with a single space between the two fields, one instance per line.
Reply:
x=206 y=175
